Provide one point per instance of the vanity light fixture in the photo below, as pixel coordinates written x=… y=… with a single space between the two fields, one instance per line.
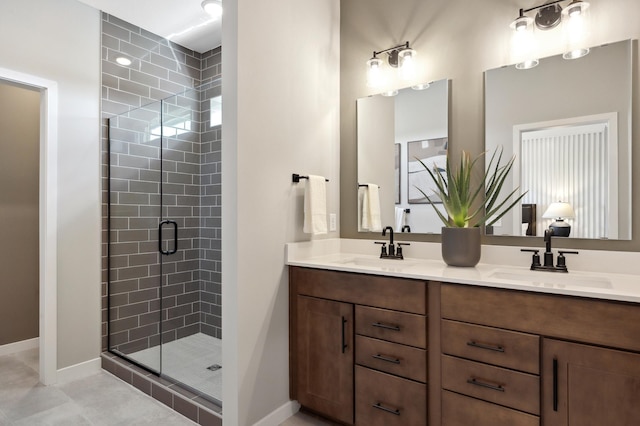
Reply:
x=400 y=56
x=560 y=211
x=549 y=16
x=213 y=8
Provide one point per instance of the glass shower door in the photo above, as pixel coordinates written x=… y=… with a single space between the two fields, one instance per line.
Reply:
x=134 y=216
x=188 y=351
x=165 y=239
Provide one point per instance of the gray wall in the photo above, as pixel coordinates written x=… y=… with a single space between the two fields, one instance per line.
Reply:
x=19 y=156
x=35 y=38
x=459 y=40
x=191 y=166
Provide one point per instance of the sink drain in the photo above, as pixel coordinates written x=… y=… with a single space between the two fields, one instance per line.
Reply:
x=214 y=367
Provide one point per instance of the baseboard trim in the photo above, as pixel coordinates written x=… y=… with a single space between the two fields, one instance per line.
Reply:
x=279 y=415
x=79 y=371
x=23 y=345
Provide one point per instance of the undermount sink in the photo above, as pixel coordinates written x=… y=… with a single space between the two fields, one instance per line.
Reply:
x=373 y=262
x=555 y=279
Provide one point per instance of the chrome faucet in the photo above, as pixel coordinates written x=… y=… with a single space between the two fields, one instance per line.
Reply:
x=561 y=266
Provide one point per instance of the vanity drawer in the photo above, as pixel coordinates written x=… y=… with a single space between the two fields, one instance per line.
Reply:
x=385 y=400
x=511 y=349
x=597 y=322
x=394 y=326
x=493 y=384
x=386 y=292
x=393 y=358
x=480 y=413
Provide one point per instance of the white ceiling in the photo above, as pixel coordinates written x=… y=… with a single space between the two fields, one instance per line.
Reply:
x=182 y=21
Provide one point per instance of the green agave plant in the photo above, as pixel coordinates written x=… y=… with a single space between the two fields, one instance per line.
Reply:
x=459 y=196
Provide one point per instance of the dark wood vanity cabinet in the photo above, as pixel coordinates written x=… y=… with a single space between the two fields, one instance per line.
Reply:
x=589 y=386
x=358 y=347
x=325 y=357
x=523 y=358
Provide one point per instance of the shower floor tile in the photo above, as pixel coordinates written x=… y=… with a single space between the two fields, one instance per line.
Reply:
x=187 y=360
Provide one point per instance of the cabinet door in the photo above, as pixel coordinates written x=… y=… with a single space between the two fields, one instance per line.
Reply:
x=325 y=357
x=589 y=386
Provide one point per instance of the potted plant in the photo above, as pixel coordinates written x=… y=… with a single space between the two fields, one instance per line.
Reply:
x=466 y=210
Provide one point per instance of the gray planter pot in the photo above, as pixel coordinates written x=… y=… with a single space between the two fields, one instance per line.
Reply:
x=461 y=246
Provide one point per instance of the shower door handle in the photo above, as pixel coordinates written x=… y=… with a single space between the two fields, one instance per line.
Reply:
x=175 y=237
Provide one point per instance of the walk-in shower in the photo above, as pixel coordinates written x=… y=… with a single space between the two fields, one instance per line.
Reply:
x=164 y=213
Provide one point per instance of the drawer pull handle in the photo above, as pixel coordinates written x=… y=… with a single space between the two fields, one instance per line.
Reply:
x=474 y=381
x=387 y=359
x=496 y=348
x=386 y=326
x=387 y=409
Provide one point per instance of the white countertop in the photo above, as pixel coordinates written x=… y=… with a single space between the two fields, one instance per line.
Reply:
x=423 y=261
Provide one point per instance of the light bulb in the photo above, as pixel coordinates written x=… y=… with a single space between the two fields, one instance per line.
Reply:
x=213 y=8
x=374 y=73
x=521 y=23
x=407 y=63
x=124 y=61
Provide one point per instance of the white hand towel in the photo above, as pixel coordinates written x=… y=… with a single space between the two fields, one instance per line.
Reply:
x=399 y=219
x=315 y=206
x=371 y=208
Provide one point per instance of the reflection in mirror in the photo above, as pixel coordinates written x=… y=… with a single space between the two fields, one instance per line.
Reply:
x=569 y=124
x=392 y=131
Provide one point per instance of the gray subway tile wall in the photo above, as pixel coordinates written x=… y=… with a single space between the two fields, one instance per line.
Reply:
x=191 y=195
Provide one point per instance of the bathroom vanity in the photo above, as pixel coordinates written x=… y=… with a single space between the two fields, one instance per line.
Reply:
x=412 y=344
x=359 y=346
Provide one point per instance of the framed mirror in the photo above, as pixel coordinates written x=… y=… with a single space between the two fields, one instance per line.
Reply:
x=392 y=131
x=569 y=124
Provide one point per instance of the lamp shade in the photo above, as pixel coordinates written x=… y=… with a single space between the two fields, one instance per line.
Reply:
x=559 y=210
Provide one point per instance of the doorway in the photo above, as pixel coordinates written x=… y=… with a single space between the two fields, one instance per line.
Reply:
x=46 y=215
x=19 y=151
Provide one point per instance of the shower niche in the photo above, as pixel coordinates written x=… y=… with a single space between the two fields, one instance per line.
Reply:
x=164 y=239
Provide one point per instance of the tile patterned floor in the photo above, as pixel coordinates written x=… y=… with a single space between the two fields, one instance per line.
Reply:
x=97 y=400
x=306 y=419
x=186 y=360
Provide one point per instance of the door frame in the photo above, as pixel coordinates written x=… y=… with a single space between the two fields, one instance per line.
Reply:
x=48 y=203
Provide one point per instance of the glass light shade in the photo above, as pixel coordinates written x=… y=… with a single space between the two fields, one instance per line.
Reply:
x=527 y=64
x=523 y=43
x=575 y=8
x=575 y=26
x=559 y=210
x=406 y=63
x=212 y=7
x=389 y=93
x=421 y=86
x=522 y=23
x=374 y=73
